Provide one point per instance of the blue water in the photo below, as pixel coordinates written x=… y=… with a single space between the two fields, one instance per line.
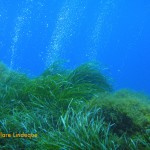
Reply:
x=116 y=33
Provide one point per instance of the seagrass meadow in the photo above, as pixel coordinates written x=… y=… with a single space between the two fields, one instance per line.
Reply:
x=70 y=110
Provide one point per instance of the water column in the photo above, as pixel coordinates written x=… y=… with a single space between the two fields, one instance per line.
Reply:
x=3 y=21
x=66 y=25
x=99 y=30
x=21 y=19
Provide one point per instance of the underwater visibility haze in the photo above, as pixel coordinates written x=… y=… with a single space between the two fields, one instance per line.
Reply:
x=115 y=33
x=75 y=74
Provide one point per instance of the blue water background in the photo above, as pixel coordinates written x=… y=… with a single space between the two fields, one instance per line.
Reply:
x=116 y=33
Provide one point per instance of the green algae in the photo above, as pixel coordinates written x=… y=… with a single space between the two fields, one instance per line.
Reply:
x=70 y=110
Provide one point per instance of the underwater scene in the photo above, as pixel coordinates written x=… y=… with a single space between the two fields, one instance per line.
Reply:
x=74 y=75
